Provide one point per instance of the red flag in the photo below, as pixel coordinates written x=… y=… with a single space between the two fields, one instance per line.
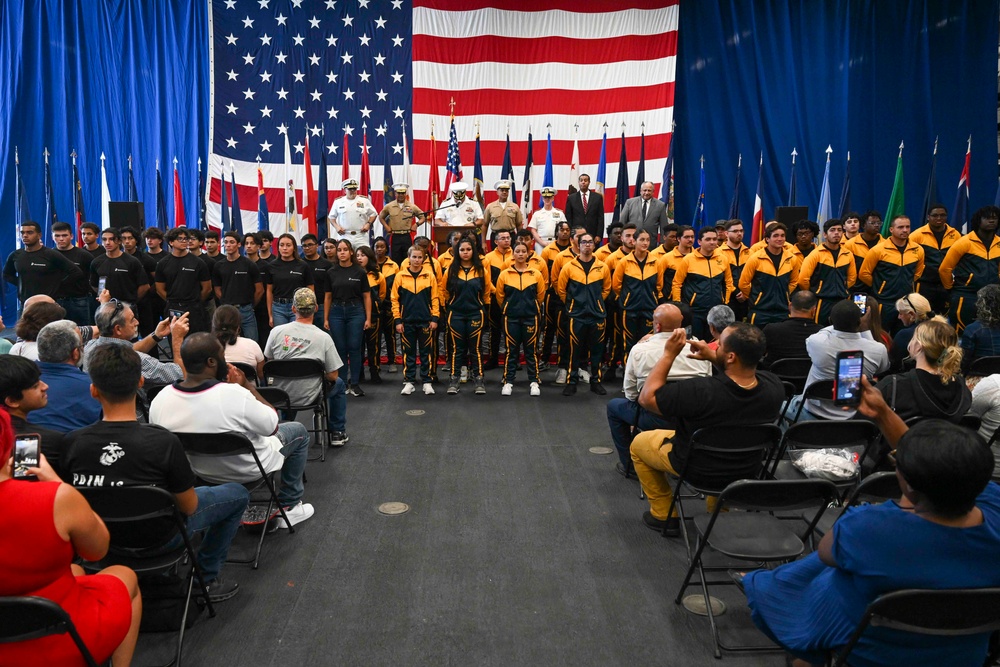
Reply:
x=178 y=201
x=757 y=228
x=433 y=184
x=365 y=184
x=309 y=194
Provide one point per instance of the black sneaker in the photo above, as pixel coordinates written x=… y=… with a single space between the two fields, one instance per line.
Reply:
x=220 y=590
x=673 y=524
x=570 y=389
x=338 y=438
x=356 y=390
x=598 y=388
x=376 y=377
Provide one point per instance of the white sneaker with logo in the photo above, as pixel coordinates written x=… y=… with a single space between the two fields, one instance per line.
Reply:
x=428 y=388
x=507 y=390
x=296 y=514
x=408 y=389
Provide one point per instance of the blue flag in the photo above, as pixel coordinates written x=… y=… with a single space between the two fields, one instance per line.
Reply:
x=50 y=204
x=507 y=170
x=699 y=208
x=202 y=221
x=161 y=202
x=734 y=205
x=621 y=189
x=225 y=204
x=667 y=189
x=845 y=192
x=477 y=176
x=640 y=172
x=237 y=214
x=602 y=165
x=548 y=180
x=133 y=193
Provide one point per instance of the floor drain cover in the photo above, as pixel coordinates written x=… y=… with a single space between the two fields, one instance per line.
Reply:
x=601 y=450
x=696 y=605
x=393 y=508
x=414 y=413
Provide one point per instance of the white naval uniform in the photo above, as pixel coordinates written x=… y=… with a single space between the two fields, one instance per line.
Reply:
x=465 y=213
x=352 y=215
x=544 y=222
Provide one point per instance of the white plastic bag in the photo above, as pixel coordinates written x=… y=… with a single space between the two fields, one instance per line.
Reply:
x=835 y=465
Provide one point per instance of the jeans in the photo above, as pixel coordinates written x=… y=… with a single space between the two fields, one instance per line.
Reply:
x=77 y=309
x=336 y=406
x=623 y=414
x=295 y=448
x=248 y=323
x=347 y=326
x=282 y=313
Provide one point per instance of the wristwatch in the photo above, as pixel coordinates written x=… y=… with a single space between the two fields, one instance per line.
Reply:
x=156 y=339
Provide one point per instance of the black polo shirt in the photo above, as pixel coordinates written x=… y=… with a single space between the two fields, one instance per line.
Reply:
x=124 y=273
x=183 y=277
x=236 y=279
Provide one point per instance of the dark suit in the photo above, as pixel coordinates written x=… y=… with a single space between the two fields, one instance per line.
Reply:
x=593 y=219
x=655 y=220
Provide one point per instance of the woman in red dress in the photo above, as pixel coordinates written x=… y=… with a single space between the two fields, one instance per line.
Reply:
x=42 y=525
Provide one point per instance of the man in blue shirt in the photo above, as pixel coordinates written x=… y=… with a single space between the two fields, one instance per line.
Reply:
x=70 y=405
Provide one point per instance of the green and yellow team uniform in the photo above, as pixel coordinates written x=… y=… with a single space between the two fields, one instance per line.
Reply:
x=767 y=287
x=968 y=267
x=520 y=295
x=584 y=293
x=636 y=289
x=891 y=272
x=829 y=275
x=929 y=285
x=415 y=304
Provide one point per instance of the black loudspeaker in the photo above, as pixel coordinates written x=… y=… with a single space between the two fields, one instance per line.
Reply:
x=127 y=214
x=786 y=215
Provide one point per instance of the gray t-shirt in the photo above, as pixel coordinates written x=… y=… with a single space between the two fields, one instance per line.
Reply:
x=302 y=341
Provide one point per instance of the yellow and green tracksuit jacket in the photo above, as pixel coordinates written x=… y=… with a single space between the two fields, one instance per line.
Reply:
x=535 y=261
x=415 y=297
x=520 y=294
x=636 y=288
x=549 y=254
x=892 y=272
x=471 y=293
x=496 y=261
x=934 y=254
x=435 y=266
x=766 y=289
x=389 y=270
x=969 y=265
x=826 y=277
x=614 y=258
x=737 y=258
x=584 y=293
x=376 y=282
x=445 y=259
x=666 y=267
x=603 y=252
x=702 y=282
x=857 y=247
x=561 y=260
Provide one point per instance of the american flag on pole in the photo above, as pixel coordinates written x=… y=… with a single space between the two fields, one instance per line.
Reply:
x=291 y=68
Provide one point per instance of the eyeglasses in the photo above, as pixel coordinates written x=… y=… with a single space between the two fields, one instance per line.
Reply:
x=181 y=238
x=586 y=243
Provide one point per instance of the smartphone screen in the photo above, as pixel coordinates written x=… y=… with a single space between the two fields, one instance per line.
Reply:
x=176 y=313
x=25 y=454
x=850 y=367
x=102 y=284
x=861 y=301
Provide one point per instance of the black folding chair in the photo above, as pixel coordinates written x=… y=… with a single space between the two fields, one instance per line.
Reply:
x=821 y=390
x=856 y=435
x=120 y=505
x=237 y=444
x=25 y=618
x=754 y=535
x=984 y=366
x=875 y=488
x=278 y=398
x=794 y=370
x=971 y=421
x=302 y=369
x=248 y=369
x=940 y=613
x=790 y=392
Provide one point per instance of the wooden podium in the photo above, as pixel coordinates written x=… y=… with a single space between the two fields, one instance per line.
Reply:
x=442 y=232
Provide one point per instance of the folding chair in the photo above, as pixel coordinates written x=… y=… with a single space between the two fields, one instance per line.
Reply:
x=739 y=451
x=857 y=435
x=235 y=444
x=875 y=488
x=135 y=504
x=754 y=535
x=984 y=366
x=300 y=369
x=940 y=613
x=821 y=390
x=794 y=370
x=25 y=618
x=249 y=370
x=971 y=421
x=278 y=398
x=790 y=392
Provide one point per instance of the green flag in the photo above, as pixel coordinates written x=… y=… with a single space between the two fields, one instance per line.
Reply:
x=896 y=203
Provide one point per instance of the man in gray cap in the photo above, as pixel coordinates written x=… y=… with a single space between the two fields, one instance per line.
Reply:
x=459 y=210
x=503 y=214
x=400 y=219
x=352 y=216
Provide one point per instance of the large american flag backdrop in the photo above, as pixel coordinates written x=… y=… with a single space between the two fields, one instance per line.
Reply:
x=368 y=69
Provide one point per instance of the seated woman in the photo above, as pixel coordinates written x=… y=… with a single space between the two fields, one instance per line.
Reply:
x=912 y=309
x=982 y=337
x=986 y=404
x=35 y=316
x=45 y=525
x=239 y=350
x=934 y=388
x=943 y=533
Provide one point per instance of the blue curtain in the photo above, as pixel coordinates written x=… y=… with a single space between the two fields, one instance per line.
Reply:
x=756 y=76
x=112 y=76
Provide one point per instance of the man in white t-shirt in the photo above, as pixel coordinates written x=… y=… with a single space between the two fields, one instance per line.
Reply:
x=302 y=339
x=352 y=216
x=215 y=397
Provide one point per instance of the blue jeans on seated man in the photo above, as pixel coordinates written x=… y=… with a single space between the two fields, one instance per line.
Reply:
x=295 y=448
x=623 y=414
x=336 y=408
x=248 y=323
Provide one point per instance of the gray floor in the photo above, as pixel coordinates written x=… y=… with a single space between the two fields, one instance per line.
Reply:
x=521 y=548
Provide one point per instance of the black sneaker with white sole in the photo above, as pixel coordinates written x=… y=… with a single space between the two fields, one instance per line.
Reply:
x=338 y=438
x=221 y=590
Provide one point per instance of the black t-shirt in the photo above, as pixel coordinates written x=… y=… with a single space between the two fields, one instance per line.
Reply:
x=96 y=252
x=586 y=265
x=319 y=267
x=40 y=272
x=124 y=273
x=148 y=264
x=236 y=279
x=775 y=259
x=80 y=285
x=787 y=339
x=183 y=277
x=158 y=257
x=708 y=401
x=109 y=454
x=871 y=244
x=53 y=443
x=286 y=277
x=346 y=283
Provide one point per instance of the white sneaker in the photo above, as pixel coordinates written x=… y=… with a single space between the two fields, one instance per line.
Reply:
x=535 y=389
x=296 y=514
x=393 y=368
x=408 y=389
x=507 y=390
x=428 y=388
x=561 y=375
x=465 y=375
x=584 y=376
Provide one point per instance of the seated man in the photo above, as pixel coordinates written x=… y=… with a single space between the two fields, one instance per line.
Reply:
x=22 y=391
x=118 y=451
x=624 y=413
x=70 y=404
x=118 y=325
x=738 y=395
x=787 y=339
x=719 y=317
x=302 y=339
x=843 y=334
x=215 y=397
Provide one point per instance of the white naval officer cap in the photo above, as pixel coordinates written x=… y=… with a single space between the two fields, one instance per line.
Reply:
x=459 y=186
x=548 y=192
x=400 y=187
x=502 y=184
x=349 y=183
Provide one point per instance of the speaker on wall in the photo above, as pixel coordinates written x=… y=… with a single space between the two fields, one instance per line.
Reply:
x=127 y=214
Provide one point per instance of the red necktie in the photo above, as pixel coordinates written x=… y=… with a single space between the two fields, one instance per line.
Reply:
x=584 y=202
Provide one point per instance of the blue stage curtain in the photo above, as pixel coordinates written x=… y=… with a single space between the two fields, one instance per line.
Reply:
x=112 y=76
x=759 y=76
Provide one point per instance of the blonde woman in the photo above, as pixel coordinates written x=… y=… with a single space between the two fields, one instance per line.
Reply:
x=912 y=309
x=935 y=388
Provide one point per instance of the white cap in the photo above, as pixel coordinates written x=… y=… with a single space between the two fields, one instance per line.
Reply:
x=349 y=183
x=400 y=187
x=548 y=191
x=502 y=183
x=459 y=186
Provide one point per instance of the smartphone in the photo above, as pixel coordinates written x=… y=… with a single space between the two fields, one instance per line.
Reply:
x=26 y=447
x=175 y=313
x=102 y=284
x=861 y=301
x=847 y=384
